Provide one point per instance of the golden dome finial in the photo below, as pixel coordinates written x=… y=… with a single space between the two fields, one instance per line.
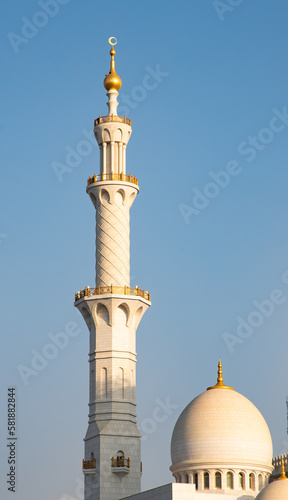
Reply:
x=283 y=475
x=220 y=384
x=220 y=373
x=112 y=81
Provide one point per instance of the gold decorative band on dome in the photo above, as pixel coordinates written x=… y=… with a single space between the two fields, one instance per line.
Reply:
x=220 y=384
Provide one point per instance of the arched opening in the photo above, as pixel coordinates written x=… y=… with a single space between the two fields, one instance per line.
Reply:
x=251 y=481
x=131 y=199
x=218 y=480
x=102 y=315
x=241 y=481
x=87 y=317
x=93 y=199
x=229 y=480
x=117 y=135
x=186 y=478
x=260 y=482
x=195 y=481
x=206 y=480
x=119 y=197
x=106 y=135
x=121 y=315
x=120 y=459
x=104 y=196
x=138 y=316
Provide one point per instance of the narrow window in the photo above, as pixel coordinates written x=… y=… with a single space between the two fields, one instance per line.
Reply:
x=229 y=480
x=104 y=391
x=260 y=482
x=132 y=385
x=241 y=481
x=195 y=481
x=92 y=385
x=206 y=480
x=186 y=478
x=218 y=480
x=121 y=382
x=251 y=481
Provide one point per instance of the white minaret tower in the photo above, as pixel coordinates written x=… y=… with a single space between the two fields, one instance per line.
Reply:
x=112 y=311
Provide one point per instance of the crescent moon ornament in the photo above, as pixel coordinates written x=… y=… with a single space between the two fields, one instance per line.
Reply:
x=112 y=40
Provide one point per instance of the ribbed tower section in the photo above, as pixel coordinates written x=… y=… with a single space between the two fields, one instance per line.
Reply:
x=112 y=311
x=112 y=198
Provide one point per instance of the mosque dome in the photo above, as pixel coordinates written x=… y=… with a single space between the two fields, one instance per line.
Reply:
x=277 y=490
x=221 y=429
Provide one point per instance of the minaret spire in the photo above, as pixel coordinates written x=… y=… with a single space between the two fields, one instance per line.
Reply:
x=112 y=311
x=112 y=81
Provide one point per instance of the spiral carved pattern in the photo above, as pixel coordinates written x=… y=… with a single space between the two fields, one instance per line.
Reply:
x=112 y=243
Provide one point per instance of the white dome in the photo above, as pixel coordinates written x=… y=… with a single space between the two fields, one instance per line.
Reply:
x=221 y=428
x=278 y=490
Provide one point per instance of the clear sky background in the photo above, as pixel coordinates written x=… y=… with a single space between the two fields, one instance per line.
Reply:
x=209 y=253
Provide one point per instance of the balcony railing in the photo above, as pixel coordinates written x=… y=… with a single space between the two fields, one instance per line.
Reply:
x=89 y=464
x=120 y=290
x=112 y=118
x=120 y=462
x=112 y=177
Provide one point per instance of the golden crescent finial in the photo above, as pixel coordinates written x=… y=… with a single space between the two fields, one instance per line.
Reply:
x=112 y=80
x=110 y=41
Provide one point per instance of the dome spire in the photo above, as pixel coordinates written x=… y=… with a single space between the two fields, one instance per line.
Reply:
x=220 y=373
x=220 y=384
x=112 y=80
x=283 y=475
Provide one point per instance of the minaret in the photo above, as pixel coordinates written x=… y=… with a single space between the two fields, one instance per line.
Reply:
x=112 y=311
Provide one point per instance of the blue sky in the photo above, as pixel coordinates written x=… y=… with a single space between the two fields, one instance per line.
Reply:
x=211 y=247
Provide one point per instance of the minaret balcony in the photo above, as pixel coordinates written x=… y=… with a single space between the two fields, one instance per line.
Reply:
x=112 y=177
x=119 y=290
x=120 y=464
x=112 y=118
x=89 y=466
